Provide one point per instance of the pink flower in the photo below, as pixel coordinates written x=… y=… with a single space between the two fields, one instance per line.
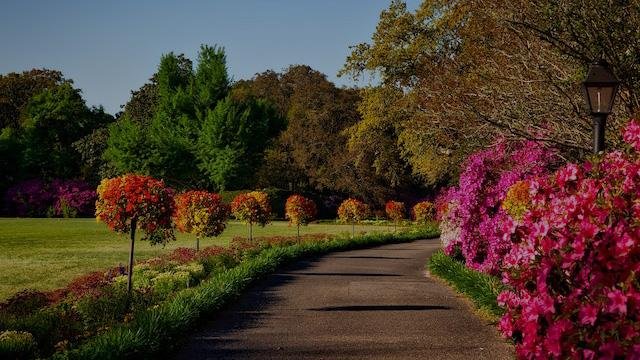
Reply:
x=617 y=302
x=631 y=134
x=588 y=315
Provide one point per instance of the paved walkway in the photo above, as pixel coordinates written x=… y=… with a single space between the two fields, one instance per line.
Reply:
x=362 y=304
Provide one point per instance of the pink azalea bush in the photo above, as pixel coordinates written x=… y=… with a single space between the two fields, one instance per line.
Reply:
x=59 y=197
x=471 y=213
x=573 y=267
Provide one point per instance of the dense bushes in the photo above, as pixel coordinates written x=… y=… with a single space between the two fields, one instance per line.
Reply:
x=569 y=247
x=64 y=198
x=574 y=290
x=474 y=207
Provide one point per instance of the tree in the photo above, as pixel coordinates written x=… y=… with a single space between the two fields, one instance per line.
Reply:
x=200 y=213
x=133 y=202
x=233 y=139
x=352 y=211
x=54 y=120
x=186 y=128
x=312 y=153
x=423 y=212
x=395 y=211
x=300 y=211
x=252 y=208
x=16 y=90
x=464 y=71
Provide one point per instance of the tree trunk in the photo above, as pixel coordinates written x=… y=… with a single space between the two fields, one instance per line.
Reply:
x=250 y=232
x=130 y=271
x=298 y=232
x=197 y=243
x=353 y=230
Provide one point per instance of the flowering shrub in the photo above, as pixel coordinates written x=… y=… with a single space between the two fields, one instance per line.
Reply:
x=476 y=203
x=352 y=211
x=573 y=270
x=448 y=222
x=29 y=198
x=395 y=210
x=423 y=212
x=73 y=198
x=252 y=208
x=200 y=213
x=36 y=197
x=300 y=210
x=140 y=199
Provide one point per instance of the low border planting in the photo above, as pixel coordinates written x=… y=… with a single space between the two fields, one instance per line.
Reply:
x=480 y=288
x=156 y=328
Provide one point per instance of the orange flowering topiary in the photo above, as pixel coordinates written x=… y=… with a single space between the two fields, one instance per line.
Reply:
x=131 y=202
x=300 y=211
x=252 y=208
x=352 y=211
x=395 y=210
x=200 y=213
x=140 y=200
x=423 y=212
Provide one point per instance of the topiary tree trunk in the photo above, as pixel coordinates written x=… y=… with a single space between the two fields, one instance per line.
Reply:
x=130 y=270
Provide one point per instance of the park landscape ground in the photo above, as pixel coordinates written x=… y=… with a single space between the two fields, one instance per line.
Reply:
x=455 y=206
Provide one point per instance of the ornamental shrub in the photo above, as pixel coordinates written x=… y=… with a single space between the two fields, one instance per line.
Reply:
x=200 y=213
x=573 y=268
x=29 y=198
x=252 y=208
x=138 y=199
x=66 y=198
x=476 y=202
x=73 y=198
x=300 y=211
x=423 y=212
x=395 y=210
x=131 y=202
x=352 y=211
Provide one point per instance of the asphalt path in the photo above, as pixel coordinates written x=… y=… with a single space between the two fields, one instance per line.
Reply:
x=375 y=303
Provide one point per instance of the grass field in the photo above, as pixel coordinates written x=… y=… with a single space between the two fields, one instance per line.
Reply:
x=46 y=254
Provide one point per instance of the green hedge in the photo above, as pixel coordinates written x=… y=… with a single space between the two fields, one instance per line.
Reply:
x=481 y=288
x=153 y=330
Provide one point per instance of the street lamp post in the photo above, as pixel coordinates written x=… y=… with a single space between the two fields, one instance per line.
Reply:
x=600 y=88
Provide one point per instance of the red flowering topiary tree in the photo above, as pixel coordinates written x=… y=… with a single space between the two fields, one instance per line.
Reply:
x=300 y=211
x=423 y=212
x=200 y=213
x=131 y=202
x=395 y=211
x=252 y=208
x=573 y=269
x=352 y=211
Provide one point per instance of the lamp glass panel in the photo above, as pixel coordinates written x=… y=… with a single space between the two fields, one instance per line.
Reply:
x=600 y=99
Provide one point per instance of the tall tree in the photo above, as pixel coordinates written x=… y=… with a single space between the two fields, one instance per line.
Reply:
x=468 y=70
x=16 y=90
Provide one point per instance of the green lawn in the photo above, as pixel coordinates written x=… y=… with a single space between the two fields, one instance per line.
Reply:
x=45 y=254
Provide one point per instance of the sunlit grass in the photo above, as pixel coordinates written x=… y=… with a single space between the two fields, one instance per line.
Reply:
x=45 y=254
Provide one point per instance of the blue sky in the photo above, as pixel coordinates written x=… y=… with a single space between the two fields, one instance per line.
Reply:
x=111 y=47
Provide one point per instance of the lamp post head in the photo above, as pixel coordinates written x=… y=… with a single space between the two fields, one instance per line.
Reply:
x=600 y=88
